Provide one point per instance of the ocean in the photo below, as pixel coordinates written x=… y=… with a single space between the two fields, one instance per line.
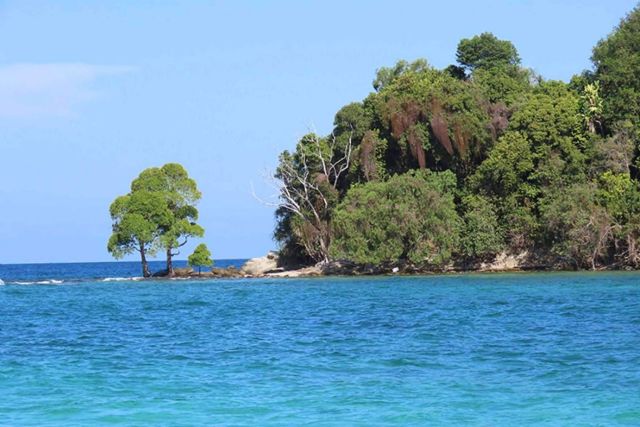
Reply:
x=476 y=349
x=58 y=273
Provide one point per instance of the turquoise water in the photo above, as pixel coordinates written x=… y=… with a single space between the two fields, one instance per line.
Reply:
x=521 y=349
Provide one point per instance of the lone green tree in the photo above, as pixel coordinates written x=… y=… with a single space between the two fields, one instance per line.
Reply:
x=180 y=193
x=201 y=257
x=486 y=51
x=138 y=219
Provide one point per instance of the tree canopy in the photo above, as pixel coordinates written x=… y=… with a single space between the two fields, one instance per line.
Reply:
x=486 y=51
x=158 y=213
x=617 y=69
x=533 y=166
x=410 y=216
x=201 y=257
x=138 y=220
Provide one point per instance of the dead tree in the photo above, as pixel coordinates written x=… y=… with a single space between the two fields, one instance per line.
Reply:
x=307 y=184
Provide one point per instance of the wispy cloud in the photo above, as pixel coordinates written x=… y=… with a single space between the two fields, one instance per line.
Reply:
x=49 y=90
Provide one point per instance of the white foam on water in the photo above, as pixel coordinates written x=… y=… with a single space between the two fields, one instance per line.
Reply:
x=1 y=282
x=121 y=279
x=42 y=282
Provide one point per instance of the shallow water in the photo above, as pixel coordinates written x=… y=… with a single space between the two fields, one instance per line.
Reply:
x=529 y=349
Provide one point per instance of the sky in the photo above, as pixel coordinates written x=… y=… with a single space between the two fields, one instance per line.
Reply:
x=92 y=93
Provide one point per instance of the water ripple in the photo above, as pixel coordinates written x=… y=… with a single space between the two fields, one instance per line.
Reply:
x=532 y=349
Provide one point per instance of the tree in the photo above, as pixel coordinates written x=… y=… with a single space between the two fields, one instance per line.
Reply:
x=201 y=257
x=494 y=66
x=486 y=51
x=180 y=193
x=410 y=217
x=307 y=181
x=506 y=85
x=138 y=220
x=576 y=227
x=617 y=67
x=433 y=121
x=481 y=236
x=614 y=153
x=386 y=75
x=540 y=166
x=552 y=124
x=591 y=106
x=507 y=169
x=619 y=194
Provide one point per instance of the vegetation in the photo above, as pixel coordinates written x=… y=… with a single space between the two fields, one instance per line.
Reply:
x=410 y=216
x=201 y=257
x=454 y=166
x=158 y=213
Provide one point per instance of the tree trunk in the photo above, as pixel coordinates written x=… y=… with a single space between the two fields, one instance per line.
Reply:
x=145 y=264
x=170 y=272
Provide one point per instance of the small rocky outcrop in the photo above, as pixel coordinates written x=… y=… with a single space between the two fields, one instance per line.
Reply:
x=261 y=265
x=311 y=271
x=228 y=272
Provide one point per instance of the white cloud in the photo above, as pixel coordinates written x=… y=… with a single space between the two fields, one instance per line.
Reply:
x=46 y=90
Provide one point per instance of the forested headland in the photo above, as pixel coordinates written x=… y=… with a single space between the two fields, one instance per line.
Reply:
x=453 y=167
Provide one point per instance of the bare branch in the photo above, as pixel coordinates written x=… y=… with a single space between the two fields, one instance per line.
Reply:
x=302 y=192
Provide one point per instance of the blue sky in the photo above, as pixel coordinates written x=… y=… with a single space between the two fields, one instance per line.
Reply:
x=91 y=93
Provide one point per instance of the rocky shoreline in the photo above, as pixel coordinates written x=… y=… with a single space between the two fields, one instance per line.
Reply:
x=268 y=266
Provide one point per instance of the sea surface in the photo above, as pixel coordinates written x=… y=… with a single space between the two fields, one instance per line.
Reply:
x=480 y=349
x=56 y=274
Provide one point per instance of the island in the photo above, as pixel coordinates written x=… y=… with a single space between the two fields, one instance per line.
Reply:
x=483 y=165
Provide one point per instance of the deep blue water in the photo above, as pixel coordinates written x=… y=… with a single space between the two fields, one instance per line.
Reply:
x=491 y=350
x=79 y=271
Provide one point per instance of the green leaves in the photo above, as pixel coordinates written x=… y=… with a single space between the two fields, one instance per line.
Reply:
x=157 y=213
x=410 y=217
x=180 y=193
x=482 y=158
x=481 y=235
x=387 y=75
x=201 y=257
x=506 y=169
x=620 y=195
x=617 y=66
x=486 y=51
x=138 y=219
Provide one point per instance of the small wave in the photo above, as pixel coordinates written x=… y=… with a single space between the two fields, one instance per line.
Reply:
x=41 y=282
x=121 y=279
x=1 y=282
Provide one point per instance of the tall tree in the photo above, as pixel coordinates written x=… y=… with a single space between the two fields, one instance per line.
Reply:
x=386 y=75
x=308 y=182
x=486 y=51
x=617 y=67
x=138 y=219
x=180 y=193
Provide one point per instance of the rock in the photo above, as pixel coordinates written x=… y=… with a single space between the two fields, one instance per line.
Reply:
x=182 y=272
x=395 y=270
x=505 y=262
x=225 y=272
x=340 y=267
x=261 y=265
x=161 y=273
x=301 y=272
